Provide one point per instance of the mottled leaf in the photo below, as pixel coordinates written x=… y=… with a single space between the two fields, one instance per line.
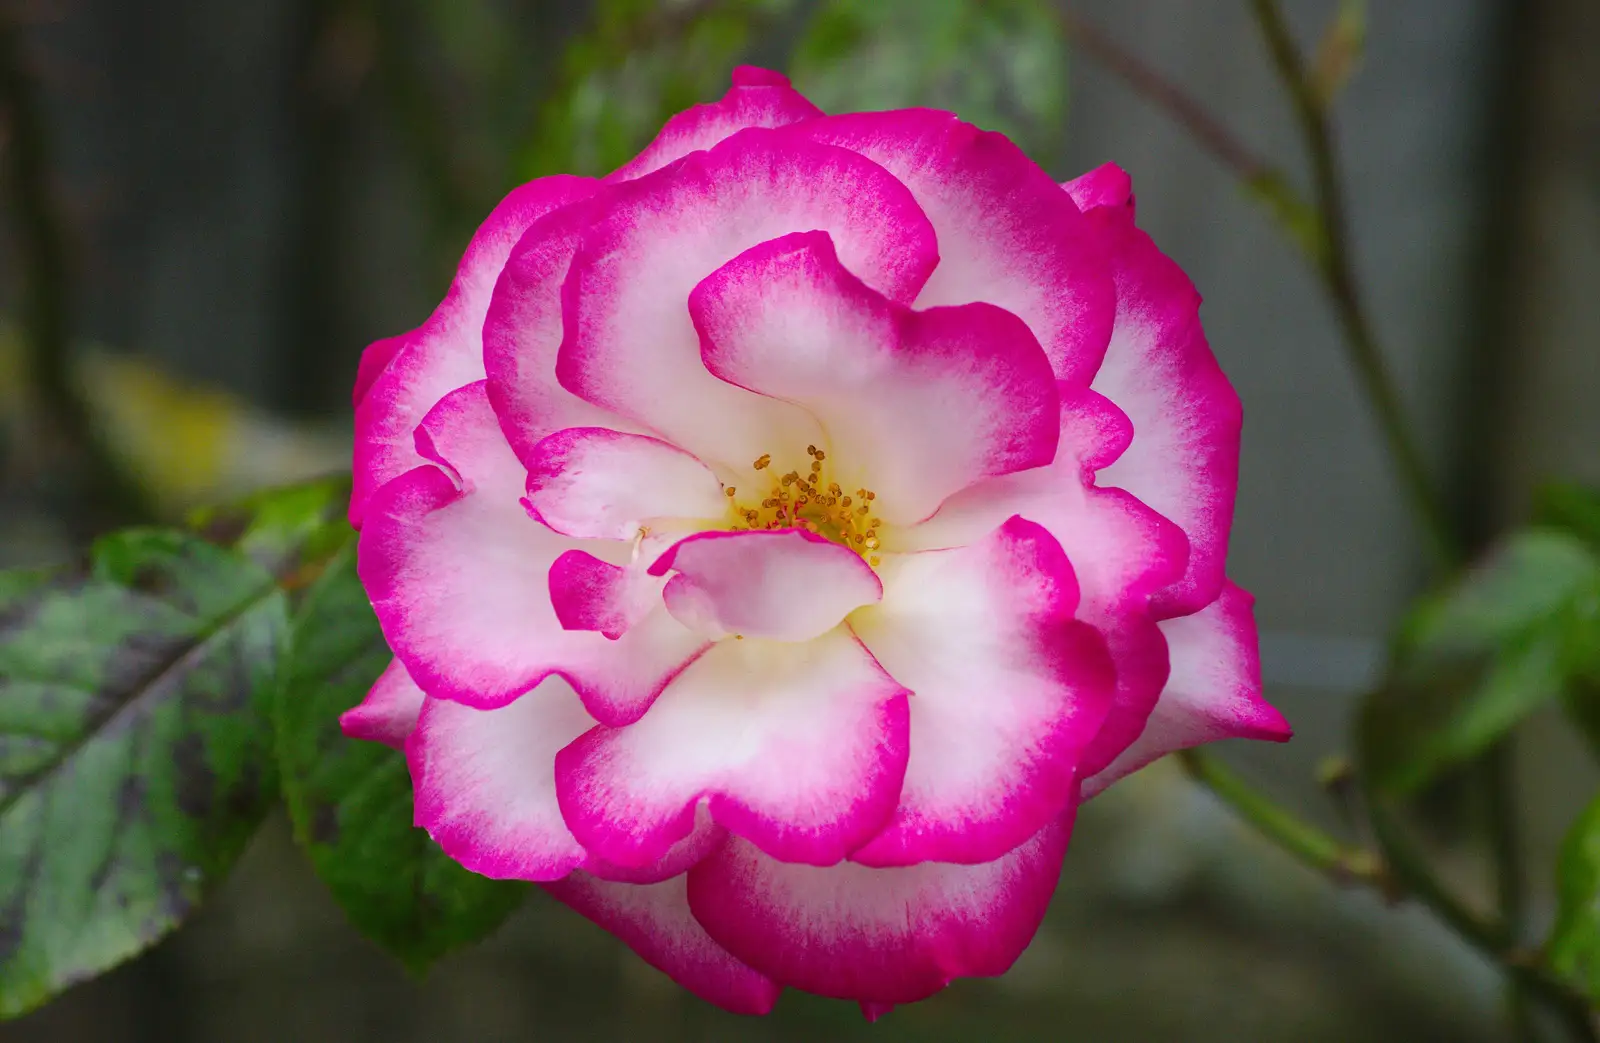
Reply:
x=1474 y=659
x=1001 y=64
x=351 y=801
x=135 y=749
x=1574 y=946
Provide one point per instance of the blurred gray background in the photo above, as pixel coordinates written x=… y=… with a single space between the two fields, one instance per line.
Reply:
x=256 y=190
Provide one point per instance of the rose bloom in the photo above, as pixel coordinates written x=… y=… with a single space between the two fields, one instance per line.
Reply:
x=779 y=537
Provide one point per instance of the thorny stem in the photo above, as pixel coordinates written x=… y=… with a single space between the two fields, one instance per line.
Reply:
x=47 y=295
x=1401 y=869
x=1344 y=863
x=1338 y=273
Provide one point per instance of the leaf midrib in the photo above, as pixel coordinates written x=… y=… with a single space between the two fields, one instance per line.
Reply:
x=139 y=693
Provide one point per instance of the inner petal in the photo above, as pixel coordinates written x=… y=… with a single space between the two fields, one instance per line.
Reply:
x=786 y=585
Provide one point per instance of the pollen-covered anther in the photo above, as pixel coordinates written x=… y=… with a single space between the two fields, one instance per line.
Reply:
x=808 y=501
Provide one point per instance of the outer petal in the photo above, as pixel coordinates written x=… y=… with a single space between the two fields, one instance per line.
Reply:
x=917 y=405
x=1007 y=233
x=389 y=712
x=786 y=585
x=703 y=840
x=759 y=98
x=1122 y=552
x=522 y=334
x=1107 y=185
x=485 y=782
x=630 y=346
x=446 y=351
x=597 y=483
x=654 y=920
x=459 y=577
x=1214 y=692
x=882 y=935
x=1009 y=692
x=801 y=748
x=1184 y=460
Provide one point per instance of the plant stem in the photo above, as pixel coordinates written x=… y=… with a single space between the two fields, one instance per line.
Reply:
x=47 y=296
x=1210 y=132
x=1345 y=863
x=1333 y=260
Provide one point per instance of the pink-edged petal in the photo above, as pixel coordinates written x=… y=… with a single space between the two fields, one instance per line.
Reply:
x=374 y=360
x=461 y=434
x=593 y=482
x=590 y=594
x=1122 y=552
x=630 y=346
x=872 y=1010
x=485 y=782
x=1107 y=186
x=459 y=577
x=799 y=747
x=655 y=922
x=704 y=839
x=389 y=712
x=1184 y=459
x=785 y=584
x=759 y=98
x=1214 y=691
x=1009 y=690
x=522 y=335
x=1007 y=233
x=445 y=352
x=916 y=405
x=886 y=936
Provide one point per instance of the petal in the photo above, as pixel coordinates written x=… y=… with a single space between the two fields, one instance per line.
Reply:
x=704 y=839
x=389 y=712
x=786 y=584
x=446 y=351
x=800 y=747
x=917 y=405
x=655 y=922
x=1122 y=552
x=459 y=578
x=759 y=98
x=485 y=782
x=461 y=434
x=1008 y=690
x=1214 y=691
x=630 y=346
x=1184 y=459
x=1007 y=233
x=374 y=360
x=597 y=483
x=1107 y=185
x=882 y=935
x=522 y=334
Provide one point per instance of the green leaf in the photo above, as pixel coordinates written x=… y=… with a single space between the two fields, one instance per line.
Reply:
x=284 y=530
x=351 y=801
x=1000 y=64
x=639 y=62
x=1570 y=507
x=1476 y=658
x=1574 y=946
x=135 y=749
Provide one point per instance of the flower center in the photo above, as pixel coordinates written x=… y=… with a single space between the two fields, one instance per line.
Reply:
x=810 y=501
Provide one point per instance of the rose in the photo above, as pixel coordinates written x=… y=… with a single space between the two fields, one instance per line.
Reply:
x=780 y=536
